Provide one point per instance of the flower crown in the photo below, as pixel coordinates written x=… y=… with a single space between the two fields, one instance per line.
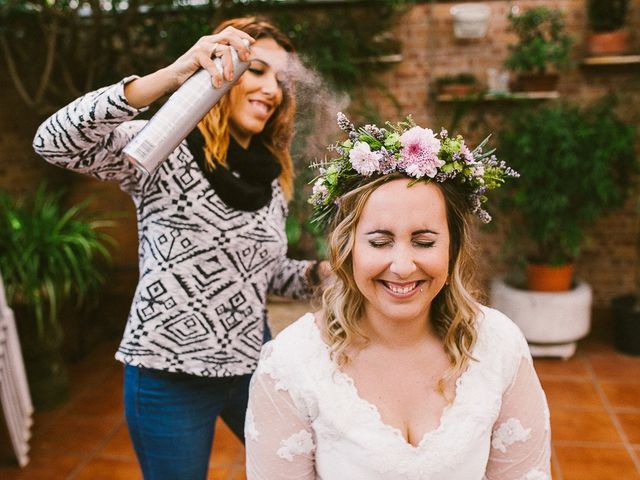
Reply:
x=406 y=148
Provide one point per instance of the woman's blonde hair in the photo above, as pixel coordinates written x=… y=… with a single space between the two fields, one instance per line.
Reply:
x=278 y=131
x=453 y=310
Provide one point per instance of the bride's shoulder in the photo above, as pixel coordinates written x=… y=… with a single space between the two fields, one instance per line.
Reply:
x=293 y=354
x=498 y=333
x=297 y=339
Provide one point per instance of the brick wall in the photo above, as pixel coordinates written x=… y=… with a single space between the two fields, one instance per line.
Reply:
x=429 y=49
x=609 y=261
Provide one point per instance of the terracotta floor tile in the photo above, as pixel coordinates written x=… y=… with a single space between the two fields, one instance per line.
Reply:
x=43 y=466
x=105 y=400
x=622 y=394
x=586 y=463
x=109 y=469
x=574 y=366
x=555 y=466
x=571 y=392
x=219 y=473
x=76 y=434
x=631 y=426
x=615 y=366
x=227 y=449
x=238 y=473
x=96 y=366
x=583 y=425
x=119 y=445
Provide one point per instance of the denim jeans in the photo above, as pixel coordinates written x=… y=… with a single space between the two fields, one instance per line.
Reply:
x=171 y=418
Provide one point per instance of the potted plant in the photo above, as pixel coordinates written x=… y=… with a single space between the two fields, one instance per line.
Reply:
x=606 y=19
x=50 y=258
x=542 y=48
x=576 y=165
x=459 y=85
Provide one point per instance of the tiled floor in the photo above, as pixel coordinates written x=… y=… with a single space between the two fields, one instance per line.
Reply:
x=594 y=399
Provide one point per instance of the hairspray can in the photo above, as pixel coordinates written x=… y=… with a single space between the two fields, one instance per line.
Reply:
x=179 y=116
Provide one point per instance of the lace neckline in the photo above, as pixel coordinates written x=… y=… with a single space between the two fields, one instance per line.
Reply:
x=346 y=381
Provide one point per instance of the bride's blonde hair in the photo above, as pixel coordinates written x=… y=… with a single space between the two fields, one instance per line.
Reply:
x=453 y=311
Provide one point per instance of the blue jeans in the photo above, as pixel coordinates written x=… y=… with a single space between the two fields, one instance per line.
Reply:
x=171 y=418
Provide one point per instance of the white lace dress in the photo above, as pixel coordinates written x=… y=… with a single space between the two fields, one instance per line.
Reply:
x=306 y=420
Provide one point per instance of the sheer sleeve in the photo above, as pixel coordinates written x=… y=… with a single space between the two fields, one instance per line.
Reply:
x=521 y=438
x=279 y=439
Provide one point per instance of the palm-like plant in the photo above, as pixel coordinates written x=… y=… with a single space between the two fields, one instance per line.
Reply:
x=50 y=255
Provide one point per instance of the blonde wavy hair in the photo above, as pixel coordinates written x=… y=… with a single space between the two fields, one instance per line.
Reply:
x=279 y=129
x=453 y=311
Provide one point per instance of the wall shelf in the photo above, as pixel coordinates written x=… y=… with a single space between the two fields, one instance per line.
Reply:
x=390 y=58
x=511 y=96
x=612 y=60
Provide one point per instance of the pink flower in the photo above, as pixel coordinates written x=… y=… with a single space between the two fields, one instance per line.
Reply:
x=419 y=155
x=466 y=153
x=319 y=191
x=363 y=160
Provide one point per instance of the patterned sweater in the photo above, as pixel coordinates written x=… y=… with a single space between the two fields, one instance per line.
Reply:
x=205 y=268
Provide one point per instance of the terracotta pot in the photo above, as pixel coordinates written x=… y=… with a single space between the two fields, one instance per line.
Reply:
x=537 y=82
x=457 y=89
x=609 y=43
x=549 y=278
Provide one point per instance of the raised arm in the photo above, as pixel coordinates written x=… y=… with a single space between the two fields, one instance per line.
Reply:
x=521 y=439
x=89 y=134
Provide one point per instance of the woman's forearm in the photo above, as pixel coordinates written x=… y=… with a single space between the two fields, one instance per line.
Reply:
x=143 y=91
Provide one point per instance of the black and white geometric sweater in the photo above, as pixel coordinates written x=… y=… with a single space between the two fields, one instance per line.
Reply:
x=205 y=268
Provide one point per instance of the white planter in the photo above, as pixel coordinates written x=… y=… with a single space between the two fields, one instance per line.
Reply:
x=551 y=322
x=470 y=20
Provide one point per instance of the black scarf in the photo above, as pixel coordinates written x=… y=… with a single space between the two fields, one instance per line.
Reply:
x=246 y=183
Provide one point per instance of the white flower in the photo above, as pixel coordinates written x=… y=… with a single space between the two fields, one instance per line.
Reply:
x=477 y=169
x=300 y=443
x=319 y=191
x=508 y=433
x=250 y=426
x=536 y=474
x=363 y=160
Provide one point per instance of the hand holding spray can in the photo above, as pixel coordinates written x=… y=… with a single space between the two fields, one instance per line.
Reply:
x=179 y=116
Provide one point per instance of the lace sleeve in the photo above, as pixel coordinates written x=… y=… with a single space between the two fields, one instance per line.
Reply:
x=279 y=439
x=521 y=439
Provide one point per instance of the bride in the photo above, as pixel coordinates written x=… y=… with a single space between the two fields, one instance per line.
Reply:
x=402 y=374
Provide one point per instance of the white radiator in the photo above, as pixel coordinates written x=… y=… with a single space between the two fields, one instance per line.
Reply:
x=14 y=390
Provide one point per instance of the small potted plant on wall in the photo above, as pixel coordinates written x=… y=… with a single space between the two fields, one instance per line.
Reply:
x=575 y=166
x=459 y=85
x=51 y=258
x=606 y=20
x=542 y=48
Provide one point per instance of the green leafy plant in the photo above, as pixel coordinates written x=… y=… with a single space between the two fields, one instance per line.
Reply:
x=607 y=15
x=459 y=79
x=50 y=256
x=542 y=41
x=575 y=165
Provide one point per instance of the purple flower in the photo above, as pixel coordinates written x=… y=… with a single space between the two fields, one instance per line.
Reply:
x=363 y=160
x=419 y=155
x=466 y=153
x=319 y=191
x=344 y=123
